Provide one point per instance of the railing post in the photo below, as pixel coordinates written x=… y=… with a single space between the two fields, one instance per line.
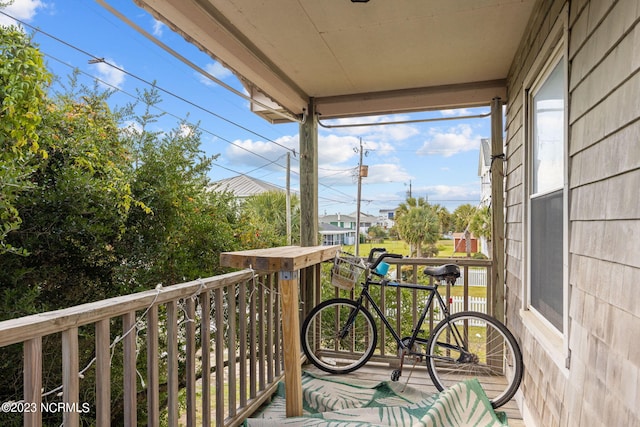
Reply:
x=497 y=206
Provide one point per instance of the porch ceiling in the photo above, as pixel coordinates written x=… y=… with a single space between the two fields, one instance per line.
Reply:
x=357 y=58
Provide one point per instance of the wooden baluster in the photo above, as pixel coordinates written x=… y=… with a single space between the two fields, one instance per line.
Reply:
x=205 y=335
x=103 y=374
x=70 y=377
x=33 y=381
x=172 y=364
x=130 y=379
x=153 y=381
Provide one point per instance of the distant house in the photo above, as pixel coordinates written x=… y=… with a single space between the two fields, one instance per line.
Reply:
x=349 y=221
x=484 y=172
x=387 y=218
x=339 y=220
x=243 y=186
x=335 y=235
x=460 y=244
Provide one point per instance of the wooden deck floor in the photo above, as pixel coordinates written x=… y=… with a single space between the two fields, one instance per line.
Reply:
x=376 y=372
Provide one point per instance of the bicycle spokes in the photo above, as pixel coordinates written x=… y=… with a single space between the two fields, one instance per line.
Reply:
x=471 y=345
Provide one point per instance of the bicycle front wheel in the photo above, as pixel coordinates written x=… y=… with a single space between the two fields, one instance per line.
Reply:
x=338 y=336
x=474 y=345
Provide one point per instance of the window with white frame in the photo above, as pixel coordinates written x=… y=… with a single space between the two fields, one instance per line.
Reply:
x=546 y=155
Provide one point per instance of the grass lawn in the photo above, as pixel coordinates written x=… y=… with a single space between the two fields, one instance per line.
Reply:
x=445 y=248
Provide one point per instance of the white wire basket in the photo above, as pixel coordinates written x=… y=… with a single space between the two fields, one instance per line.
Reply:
x=346 y=271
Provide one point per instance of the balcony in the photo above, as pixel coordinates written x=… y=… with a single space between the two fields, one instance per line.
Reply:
x=205 y=352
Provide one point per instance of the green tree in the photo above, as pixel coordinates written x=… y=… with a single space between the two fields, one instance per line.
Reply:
x=417 y=224
x=462 y=217
x=480 y=224
x=73 y=216
x=263 y=220
x=74 y=213
x=444 y=218
x=181 y=228
x=23 y=82
x=377 y=233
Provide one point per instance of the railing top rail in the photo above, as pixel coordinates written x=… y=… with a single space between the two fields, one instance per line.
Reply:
x=465 y=262
x=25 y=328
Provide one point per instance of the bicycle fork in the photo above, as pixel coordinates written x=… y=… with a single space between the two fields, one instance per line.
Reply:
x=344 y=331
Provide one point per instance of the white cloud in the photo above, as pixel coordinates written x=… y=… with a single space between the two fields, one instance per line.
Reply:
x=255 y=153
x=375 y=132
x=187 y=130
x=465 y=192
x=131 y=128
x=387 y=172
x=217 y=70
x=452 y=141
x=158 y=28
x=336 y=149
x=109 y=74
x=23 y=10
x=337 y=159
x=456 y=113
x=332 y=150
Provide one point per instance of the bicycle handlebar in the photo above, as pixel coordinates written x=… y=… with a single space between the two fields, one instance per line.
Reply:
x=374 y=264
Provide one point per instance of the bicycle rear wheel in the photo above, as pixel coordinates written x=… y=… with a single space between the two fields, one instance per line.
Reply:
x=475 y=345
x=338 y=336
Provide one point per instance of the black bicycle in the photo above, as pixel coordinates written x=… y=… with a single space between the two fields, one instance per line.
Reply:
x=339 y=335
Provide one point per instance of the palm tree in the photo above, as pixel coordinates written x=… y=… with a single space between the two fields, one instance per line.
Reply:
x=265 y=214
x=481 y=225
x=444 y=218
x=417 y=223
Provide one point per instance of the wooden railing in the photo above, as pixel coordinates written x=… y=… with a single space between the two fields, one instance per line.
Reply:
x=404 y=306
x=212 y=349
x=206 y=352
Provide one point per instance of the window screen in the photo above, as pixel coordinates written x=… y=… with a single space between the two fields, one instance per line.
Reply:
x=546 y=163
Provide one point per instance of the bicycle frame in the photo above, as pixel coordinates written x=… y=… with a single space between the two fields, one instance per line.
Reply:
x=433 y=294
x=466 y=344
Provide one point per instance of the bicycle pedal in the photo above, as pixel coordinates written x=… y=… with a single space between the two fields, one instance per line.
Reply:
x=396 y=374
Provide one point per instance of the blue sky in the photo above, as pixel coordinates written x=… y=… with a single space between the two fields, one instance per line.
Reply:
x=438 y=160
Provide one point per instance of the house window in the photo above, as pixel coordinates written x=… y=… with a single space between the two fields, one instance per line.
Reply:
x=546 y=193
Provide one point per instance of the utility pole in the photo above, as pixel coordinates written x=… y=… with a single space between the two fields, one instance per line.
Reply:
x=363 y=172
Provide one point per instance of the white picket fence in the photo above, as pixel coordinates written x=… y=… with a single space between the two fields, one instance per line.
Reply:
x=475 y=304
x=477 y=277
x=457 y=305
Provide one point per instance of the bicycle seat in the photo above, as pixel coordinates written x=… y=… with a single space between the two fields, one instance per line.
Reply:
x=444 y=271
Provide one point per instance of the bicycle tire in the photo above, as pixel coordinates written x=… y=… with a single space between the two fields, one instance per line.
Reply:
x=487 y=360
x=320 y=336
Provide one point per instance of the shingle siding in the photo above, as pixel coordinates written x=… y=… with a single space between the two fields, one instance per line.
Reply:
x=601 y=386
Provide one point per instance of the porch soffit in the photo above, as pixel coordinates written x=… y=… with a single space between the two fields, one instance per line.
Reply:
x=357 y=58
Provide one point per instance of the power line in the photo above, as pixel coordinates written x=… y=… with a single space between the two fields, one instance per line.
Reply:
x=270 y=162
x=184 y=60
x=96 y=59
x=166 y=112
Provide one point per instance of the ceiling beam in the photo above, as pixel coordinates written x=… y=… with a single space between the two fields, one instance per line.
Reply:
x=201 y=24
x=465 y=95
